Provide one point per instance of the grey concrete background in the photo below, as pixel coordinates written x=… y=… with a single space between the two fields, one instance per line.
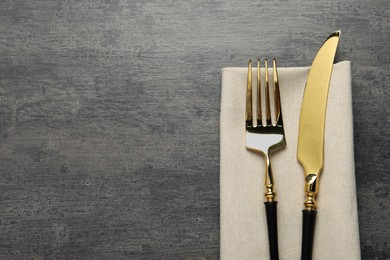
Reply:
x=109 y=118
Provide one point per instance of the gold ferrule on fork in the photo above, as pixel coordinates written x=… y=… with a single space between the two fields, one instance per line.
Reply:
x=269 y=180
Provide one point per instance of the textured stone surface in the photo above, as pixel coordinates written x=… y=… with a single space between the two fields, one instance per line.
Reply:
x=109 y=118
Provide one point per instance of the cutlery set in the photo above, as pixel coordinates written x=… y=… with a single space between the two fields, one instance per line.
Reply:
x=267 y=136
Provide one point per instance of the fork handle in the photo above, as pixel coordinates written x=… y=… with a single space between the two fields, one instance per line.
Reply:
x=270 y=209
x=309 y=222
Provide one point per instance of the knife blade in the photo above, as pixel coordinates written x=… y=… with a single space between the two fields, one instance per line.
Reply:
x=310 y=152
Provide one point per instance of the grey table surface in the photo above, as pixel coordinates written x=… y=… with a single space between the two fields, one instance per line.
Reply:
x=109 y=118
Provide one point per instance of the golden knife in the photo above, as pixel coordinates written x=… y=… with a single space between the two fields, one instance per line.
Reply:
x=311 y=134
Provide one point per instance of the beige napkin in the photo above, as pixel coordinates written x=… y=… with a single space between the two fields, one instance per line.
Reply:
x=243 y=222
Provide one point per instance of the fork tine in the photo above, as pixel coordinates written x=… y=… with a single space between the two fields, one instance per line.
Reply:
x=278 y=106
x=259 y=117
x=248 y=111
x=267 y=98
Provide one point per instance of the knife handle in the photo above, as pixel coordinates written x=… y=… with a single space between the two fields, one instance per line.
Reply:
x=270 y=209
x=309 y=222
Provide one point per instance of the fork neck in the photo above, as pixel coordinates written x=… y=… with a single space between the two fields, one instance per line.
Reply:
x=269 y=179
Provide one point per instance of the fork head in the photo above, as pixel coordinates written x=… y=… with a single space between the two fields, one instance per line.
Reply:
x=263 y=135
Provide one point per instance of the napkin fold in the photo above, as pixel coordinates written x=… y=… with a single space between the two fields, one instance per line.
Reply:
x=243 y=220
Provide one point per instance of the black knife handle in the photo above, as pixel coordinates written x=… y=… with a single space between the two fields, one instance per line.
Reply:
x=270 y=209
x=309 y=222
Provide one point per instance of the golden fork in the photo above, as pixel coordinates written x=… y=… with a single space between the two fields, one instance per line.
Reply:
x=266 y=137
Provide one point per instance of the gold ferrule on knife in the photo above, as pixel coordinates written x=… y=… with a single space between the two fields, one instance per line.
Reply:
x=311 y=189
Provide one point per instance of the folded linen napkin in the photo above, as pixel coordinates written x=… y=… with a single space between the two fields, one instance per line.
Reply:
x=243 y=221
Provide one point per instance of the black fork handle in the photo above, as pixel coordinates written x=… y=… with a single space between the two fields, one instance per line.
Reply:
x=271 y=212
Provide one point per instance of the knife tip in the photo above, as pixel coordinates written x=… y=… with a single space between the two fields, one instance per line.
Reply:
x=335 y=34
